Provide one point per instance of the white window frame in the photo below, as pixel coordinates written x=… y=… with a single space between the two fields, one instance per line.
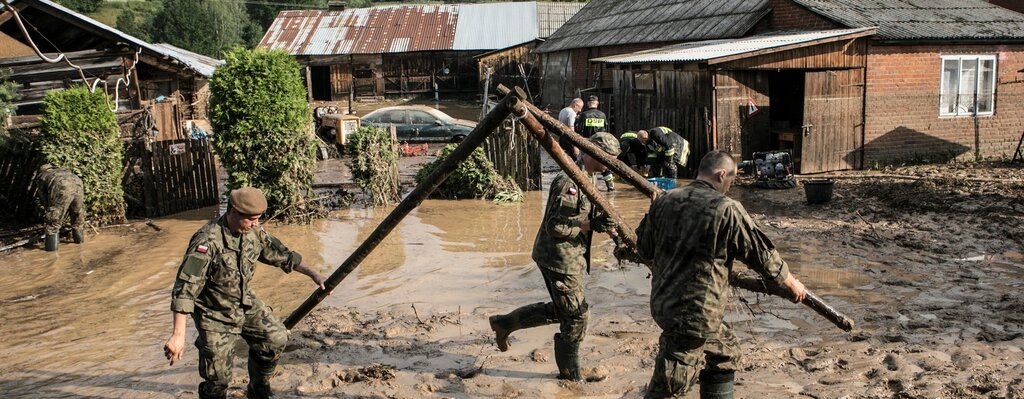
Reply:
x=959 y=110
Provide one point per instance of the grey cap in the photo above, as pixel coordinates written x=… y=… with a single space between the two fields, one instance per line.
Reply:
x=606 y=142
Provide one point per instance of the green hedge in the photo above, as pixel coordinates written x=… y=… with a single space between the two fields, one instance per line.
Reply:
x=80 y=133
x=473 y=178
x=262 y=127
x=374 y=164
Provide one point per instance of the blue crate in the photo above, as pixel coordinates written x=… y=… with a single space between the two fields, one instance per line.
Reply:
x=663 y=183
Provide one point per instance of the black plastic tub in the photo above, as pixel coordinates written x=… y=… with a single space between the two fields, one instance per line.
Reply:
x=818 y=191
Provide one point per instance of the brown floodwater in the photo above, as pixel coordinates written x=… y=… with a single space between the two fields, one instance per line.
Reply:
x=91 y=319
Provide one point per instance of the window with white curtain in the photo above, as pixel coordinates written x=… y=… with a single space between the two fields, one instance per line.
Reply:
x=968 y=85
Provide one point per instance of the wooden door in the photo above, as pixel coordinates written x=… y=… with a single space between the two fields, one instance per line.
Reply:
x=833 y=128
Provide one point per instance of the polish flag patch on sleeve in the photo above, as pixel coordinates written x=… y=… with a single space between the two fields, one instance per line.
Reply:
x=572 y=191
x=202 y=249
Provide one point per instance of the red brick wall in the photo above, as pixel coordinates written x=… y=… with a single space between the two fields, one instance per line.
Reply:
x=787 y=15
x=902 y=121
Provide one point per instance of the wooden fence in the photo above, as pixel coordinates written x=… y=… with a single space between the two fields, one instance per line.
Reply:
x=166 y=177
x=18 y=165
x=515 y=154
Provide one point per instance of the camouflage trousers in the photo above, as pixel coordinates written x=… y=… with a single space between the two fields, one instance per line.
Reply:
x=680 y=359
x=266 y=337
x=66 y=198
x=568 y=304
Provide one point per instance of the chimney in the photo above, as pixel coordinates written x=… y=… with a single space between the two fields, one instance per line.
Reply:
x=336 y=5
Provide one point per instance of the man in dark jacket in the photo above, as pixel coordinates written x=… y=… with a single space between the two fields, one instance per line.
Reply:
x=634 y=149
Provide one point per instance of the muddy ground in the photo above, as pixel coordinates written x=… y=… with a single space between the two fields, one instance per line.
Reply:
x=929 y=265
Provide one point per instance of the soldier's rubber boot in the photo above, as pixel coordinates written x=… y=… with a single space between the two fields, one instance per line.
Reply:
x=716 y=384
x=52 y=242
x=259 y=379
x=78 y=234
x=609 y=180
x=528 y=316
x=567 y=357
x=212 y=391
x=259 y=391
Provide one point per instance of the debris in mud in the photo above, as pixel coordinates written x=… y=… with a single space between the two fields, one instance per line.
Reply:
x=464 y=373
x=376 y=372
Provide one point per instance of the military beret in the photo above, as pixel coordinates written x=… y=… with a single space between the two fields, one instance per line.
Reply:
x=248 y=201
x=606 y=142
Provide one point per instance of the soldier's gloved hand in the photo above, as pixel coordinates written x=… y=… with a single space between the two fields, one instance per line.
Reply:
x=602 y=223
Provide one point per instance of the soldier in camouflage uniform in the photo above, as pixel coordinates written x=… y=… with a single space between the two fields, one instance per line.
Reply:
x=214 y=285
x=692 y=235
x=562 y=252
x=60 y=193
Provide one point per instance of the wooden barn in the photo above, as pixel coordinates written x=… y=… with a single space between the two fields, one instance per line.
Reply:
x=842 y=83
x=405 y=49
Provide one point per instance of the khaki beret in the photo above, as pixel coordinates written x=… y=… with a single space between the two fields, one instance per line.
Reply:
x=606 y=142
x=248 y=201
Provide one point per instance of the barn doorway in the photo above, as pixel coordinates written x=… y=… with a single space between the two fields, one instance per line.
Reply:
x=786 y=96
x=320 y=80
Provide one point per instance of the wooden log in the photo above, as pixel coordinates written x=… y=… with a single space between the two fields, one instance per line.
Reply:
x=614 y=164
x=492 y=120
x=756 y=284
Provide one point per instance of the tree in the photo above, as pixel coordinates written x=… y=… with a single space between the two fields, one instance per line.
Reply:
x=206 y=27
x=262 y=15
x=80 y=133
x=83 y=6
x=129 y=21
x=262 y=127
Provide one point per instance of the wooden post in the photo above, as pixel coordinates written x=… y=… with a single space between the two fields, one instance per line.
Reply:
x=491 y=121
x=616 y=166
x=755 y=284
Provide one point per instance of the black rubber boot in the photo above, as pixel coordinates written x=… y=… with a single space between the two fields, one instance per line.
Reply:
x=52 y=241
x=259 y=391
x=525 y=317
x=211 y=391
x=716 y=384
x=78 y=234
x=567 y=357
x=260 y=373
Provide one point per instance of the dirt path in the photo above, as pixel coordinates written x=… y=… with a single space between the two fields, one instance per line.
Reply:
x=931 y=270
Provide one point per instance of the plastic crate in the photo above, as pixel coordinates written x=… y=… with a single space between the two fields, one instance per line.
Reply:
x=663 y=183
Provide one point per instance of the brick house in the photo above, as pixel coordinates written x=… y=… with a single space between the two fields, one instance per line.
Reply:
x=844 y=83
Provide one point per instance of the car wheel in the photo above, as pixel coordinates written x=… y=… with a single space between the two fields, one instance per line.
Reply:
x=458 y=139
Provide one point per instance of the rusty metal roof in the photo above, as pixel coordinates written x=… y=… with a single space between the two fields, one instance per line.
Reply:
x=948 y=20
x=618 y=22
x=410 y=28
x=720 y=50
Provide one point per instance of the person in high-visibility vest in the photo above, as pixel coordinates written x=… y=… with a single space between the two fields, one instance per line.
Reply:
x=589 y=122
x=667 y=151
x=634 y=150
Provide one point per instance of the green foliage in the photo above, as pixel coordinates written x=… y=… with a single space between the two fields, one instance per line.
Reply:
x=136 y=18
x=205 y=27
x=82 y=5
x=80 y=133
x=473 y=178
x=263 y=13
x=258 y=111
x=374 y=164
x=8 y=95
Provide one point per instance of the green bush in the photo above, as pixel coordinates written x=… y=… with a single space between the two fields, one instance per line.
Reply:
x=262 y=127
x=80 y=133
x=473 y=178
x=374 y=164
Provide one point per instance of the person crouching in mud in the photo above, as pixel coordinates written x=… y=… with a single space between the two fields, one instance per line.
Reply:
x=562 y=252
x=214 y=286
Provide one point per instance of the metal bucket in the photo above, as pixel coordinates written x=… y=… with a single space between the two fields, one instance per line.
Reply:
x=818 y=191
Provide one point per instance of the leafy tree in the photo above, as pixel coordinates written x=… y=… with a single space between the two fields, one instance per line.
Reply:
x=129 y=21
x=83 y=6
x=263 y=127
x=80 y=133
x=206 y=27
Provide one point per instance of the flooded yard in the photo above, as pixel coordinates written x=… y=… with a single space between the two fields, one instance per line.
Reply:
x=933 y=285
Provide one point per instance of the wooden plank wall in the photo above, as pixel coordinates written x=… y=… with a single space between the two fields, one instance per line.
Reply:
x=842 y=54
x=515 y=154
x=736 y=133
x=556 y=85
x=178 y=175
x=17 y=178
x=680 y=101
x=505 y=70
x=834 y=107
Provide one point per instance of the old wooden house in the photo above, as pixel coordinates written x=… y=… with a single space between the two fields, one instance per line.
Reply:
x=158 y=91
x=843 y=84
x=405 y=49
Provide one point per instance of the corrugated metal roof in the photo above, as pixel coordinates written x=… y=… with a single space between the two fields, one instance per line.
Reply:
x=969 y=20
x=710 y=50
x=410 y=28
x=198 y=62
x=616 y=22
x=180 y=55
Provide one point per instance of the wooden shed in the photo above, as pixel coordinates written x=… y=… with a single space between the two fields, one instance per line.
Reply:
x=797 y=91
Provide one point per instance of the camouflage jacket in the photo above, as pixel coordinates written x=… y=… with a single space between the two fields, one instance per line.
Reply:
x=560 y=245
x=214 y=279
x=53 y=180
x=693 y=234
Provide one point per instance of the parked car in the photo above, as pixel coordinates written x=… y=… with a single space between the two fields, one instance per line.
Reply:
x=420 y=123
